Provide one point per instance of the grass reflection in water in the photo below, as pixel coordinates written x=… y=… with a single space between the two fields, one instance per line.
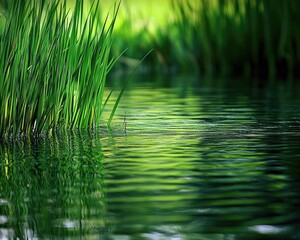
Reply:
x=190 y=166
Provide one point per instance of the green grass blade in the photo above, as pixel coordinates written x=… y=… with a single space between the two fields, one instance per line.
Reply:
x=123 y=89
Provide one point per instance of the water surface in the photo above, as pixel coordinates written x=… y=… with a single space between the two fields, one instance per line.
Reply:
x=206 y=162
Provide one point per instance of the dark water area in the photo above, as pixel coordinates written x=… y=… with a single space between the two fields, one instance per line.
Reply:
x=216 y=161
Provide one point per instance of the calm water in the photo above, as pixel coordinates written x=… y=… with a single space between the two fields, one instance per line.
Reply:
x=208 y=162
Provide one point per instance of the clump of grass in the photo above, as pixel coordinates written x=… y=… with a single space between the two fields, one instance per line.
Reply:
x=237 y=38
x=53 y=66
x=257 y=38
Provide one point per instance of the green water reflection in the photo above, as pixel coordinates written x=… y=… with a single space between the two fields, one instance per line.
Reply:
x=52 y=187
x=193 y=163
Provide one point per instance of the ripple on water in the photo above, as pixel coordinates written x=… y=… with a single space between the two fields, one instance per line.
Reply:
x=206 y=165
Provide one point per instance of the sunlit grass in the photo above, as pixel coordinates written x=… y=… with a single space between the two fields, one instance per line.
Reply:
x=53 y=67
x=248 y=38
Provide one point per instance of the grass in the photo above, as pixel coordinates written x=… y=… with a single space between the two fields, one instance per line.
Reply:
x=54 y=62
x=257 y=38
x=53 y=67
x=239 y=38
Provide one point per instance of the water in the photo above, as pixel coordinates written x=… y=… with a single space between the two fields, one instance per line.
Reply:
x=206 y=162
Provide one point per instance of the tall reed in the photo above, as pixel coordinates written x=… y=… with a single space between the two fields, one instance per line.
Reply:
x=53 y=66
x=252 y=38
x=258 y=38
